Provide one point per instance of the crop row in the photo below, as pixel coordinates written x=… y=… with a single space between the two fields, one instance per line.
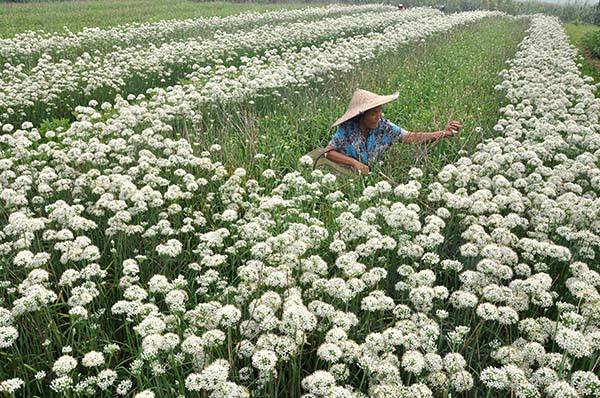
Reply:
x=265 y=75
x=26 y=48
x=525 y=206
x=57 y=87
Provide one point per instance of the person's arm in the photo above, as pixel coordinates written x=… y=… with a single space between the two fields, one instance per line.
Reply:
x=450 y=130
x=340 y=158
x=413 y=136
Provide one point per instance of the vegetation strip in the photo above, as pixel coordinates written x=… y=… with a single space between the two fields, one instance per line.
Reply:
x=526 y=207
x=54 y=89
x=183 y=104
x=54 y=16
x=26 y=48
x=590 y=66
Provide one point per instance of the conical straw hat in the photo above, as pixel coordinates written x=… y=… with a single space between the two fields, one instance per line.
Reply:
x=363 y=100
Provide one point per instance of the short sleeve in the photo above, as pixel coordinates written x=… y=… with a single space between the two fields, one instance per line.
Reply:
x=337 y=141
x=396 y=130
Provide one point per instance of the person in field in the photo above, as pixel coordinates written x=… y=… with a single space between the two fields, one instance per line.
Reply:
x=362 y=134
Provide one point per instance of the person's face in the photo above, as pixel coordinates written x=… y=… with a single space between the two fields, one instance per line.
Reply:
x=371 y=117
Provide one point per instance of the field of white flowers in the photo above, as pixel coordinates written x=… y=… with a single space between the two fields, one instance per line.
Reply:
x=53 y=86
x=27 y=47
x=133 y=264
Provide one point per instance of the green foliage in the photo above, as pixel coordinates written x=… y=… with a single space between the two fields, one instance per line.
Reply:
x=589 y=66
x=54 y=125
x=591 y=41
x=576 y=31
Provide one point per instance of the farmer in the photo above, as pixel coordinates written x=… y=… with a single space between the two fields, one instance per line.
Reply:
x=362 y=134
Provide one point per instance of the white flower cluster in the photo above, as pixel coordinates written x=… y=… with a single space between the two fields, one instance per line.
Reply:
x=524 y=199
x=25 y=48
x=51 y=84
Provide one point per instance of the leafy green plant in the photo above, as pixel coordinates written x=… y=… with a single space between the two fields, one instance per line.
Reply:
x=54 y=124
x=591 y=42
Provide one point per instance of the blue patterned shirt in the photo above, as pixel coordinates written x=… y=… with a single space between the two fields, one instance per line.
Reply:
x=349 y=141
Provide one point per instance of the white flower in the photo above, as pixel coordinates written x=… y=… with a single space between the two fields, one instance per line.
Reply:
x=507 y=315
x=176 y=299
x=454 y=362
x=210 y=378
x=150 y=325
x=64 y=365
x=124 y=387
x=264 y=360
x=319 y=383
x=329 y=352
x=172 y=248
x=159 y=284
x=8 y=335
x=61 y=384
x=487 y=311
x=461 y=381
x=106 y=378
x=213 y=338
x=561 y=389
x=192 y=345
x=415 y=173
x=229 y=215
x=463 y=299
x=228 y=316
x=93 y=359
x=11 y=385
x=144 y=394
x=586 y=383
x=413 y=362
x=574 y=342
x=377 y=301
x=268 y=174
x=306 y=160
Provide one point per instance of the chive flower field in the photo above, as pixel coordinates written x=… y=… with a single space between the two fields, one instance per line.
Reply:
x=135 y=263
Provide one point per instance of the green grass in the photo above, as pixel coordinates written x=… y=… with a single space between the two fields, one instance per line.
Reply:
x=589 y=66
x=449 y=76
x=576 y=31
x=54 y=16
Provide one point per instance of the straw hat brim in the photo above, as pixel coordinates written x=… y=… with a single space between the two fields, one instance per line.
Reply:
x=364 y=106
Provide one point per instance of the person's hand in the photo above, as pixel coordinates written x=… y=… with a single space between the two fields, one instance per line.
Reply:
x=361 y=168
x=452 y=128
